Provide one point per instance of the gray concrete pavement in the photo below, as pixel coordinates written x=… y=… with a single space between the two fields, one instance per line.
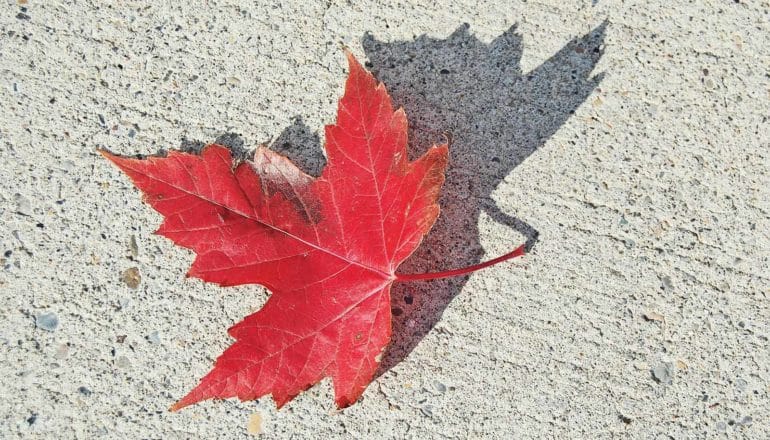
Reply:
x=627 y=141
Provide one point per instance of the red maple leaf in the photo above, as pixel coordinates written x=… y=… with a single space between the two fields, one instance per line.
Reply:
x=327 y=248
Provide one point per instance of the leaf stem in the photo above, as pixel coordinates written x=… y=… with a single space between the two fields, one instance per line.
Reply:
x=519 y=251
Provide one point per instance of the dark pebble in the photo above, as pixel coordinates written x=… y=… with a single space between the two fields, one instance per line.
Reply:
x=84 y=391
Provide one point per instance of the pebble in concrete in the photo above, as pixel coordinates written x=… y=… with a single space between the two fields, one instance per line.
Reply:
x=663 y=373
x=47 y=321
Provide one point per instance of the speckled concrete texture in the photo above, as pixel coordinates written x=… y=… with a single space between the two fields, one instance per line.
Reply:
x=626 y=142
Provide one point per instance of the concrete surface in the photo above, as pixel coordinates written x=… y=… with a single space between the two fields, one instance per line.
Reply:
x=632 y=136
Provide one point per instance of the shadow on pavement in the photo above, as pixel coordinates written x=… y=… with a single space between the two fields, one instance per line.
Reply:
x=495 y=116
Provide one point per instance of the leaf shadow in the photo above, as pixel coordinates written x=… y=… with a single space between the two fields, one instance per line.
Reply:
x=495 y=116
x=302 y=145
x=297 y=142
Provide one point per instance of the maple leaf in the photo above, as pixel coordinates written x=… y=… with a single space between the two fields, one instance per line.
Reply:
x=327 y=248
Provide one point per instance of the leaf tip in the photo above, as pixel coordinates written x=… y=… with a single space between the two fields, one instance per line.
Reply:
x=185 y=401
x=353 y=64
x=107 y=154
x=344 y=402
x=442 y=149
